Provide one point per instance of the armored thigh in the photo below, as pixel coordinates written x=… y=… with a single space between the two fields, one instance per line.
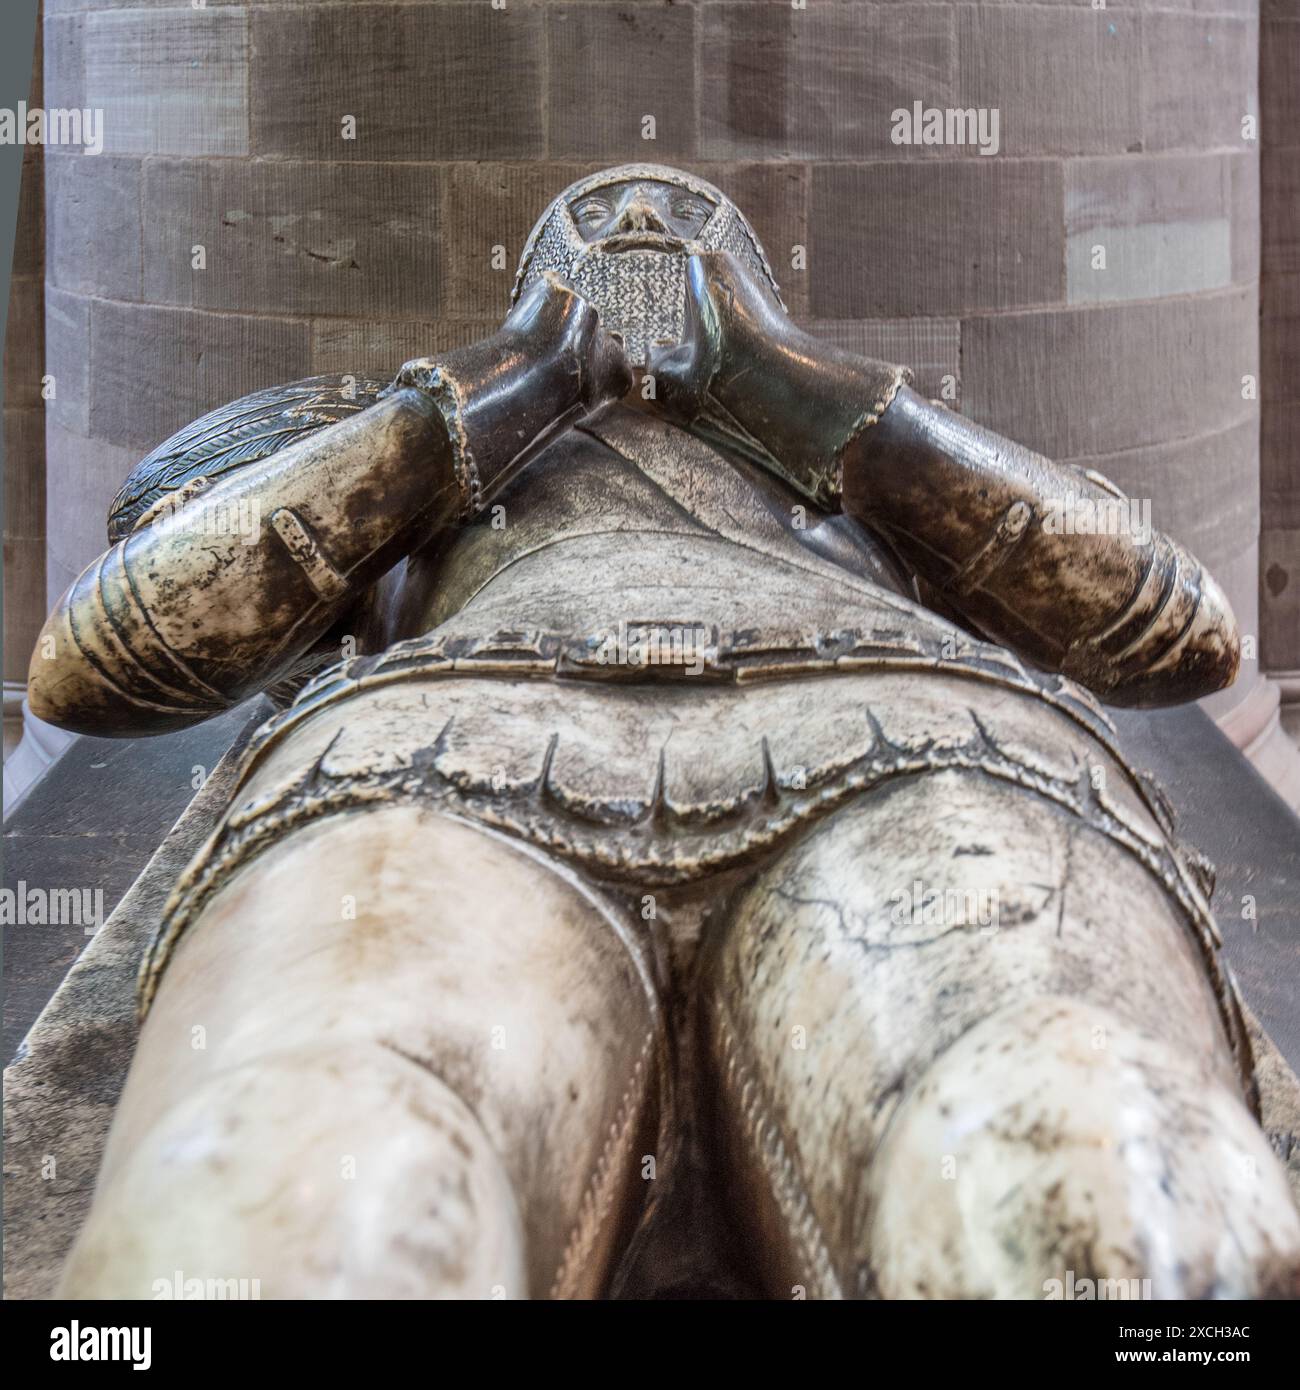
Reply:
x=392 y=1055
x=971 y=1036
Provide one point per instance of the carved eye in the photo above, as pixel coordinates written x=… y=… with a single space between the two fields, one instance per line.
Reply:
x=689 y=209
x=592 y=210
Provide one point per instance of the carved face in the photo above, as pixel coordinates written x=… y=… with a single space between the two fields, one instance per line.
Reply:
x=621 y=239
x=641 y=213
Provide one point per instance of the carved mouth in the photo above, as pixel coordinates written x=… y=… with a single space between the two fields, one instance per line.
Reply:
x=640 y=241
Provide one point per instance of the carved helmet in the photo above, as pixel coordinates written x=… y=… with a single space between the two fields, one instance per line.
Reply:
x=639 y=293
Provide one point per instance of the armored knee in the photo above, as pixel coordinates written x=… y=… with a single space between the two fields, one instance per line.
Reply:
x=1056 y=1151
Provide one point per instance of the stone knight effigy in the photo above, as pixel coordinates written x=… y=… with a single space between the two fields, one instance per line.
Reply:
x=689 y=756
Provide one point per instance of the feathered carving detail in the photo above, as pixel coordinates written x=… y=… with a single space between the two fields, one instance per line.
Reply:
x=237 y=434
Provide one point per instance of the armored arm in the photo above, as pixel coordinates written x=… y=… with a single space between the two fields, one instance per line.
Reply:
x=186 y=615
x=1047 y=558
x=989 y=527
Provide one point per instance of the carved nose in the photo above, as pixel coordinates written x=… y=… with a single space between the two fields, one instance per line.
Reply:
x=639 y=216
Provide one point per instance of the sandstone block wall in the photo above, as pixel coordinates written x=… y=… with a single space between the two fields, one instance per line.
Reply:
x=24 y=420
x=1280 y=347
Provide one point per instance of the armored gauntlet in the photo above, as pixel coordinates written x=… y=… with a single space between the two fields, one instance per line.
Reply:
x=222 y=586
x=1044 y=557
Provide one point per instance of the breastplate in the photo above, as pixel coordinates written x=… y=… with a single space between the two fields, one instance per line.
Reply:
x=630 y=521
